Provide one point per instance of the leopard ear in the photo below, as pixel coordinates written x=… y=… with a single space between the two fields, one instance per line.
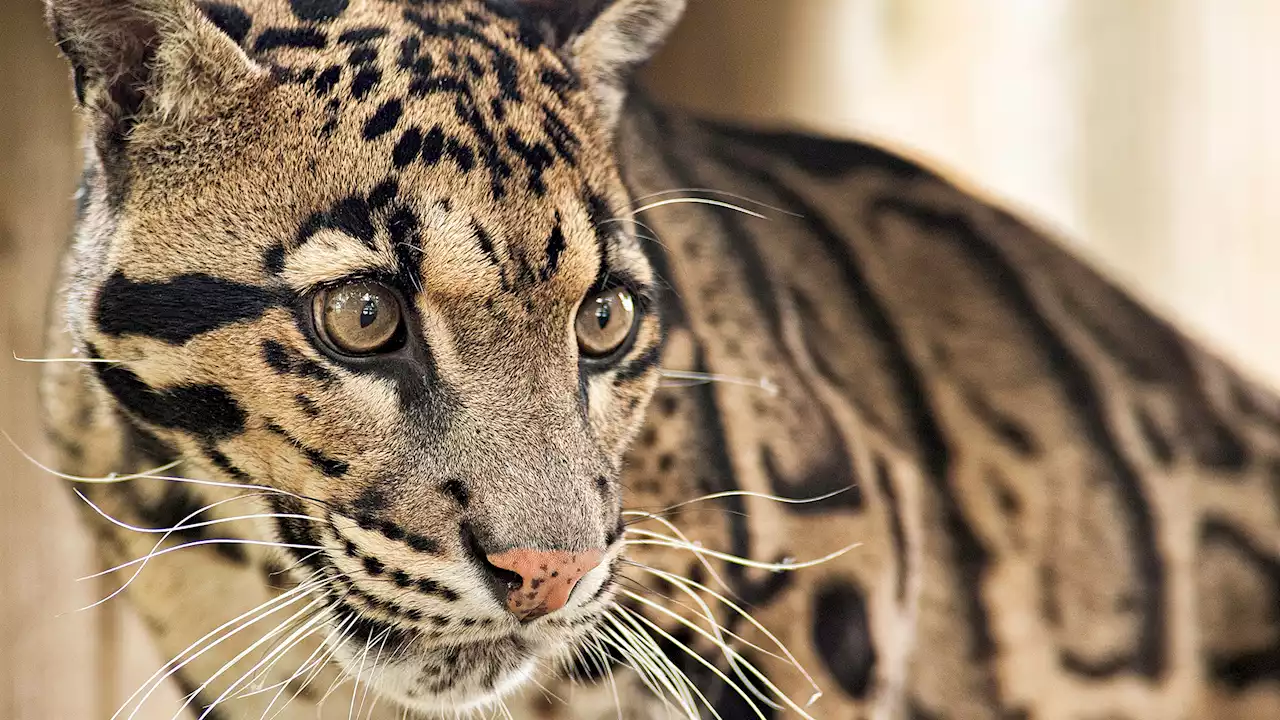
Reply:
x=138 y=60
x=609 y=39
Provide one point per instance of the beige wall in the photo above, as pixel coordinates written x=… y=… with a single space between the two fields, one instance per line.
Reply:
x=1146 y=129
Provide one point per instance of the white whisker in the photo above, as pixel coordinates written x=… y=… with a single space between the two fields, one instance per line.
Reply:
x=249 y=617
x=699 y=201
x=194 y=526
x=694 y=548
x=69 y=361
x=740 y=493
x=721 y=193
x=692 y=379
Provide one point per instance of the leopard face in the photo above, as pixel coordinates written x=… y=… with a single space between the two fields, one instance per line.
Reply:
x=373 y=256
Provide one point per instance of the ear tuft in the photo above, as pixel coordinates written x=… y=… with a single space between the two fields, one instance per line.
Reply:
x=608 y=39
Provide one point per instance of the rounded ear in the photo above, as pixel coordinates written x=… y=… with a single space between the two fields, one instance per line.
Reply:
x=608 y=40
x=134 y=58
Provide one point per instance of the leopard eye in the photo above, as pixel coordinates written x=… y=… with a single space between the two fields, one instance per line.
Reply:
x=605 y=322
x=359 y=318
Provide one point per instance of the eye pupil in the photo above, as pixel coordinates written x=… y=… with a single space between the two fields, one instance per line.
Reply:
x=369 y=313
x=604 y=313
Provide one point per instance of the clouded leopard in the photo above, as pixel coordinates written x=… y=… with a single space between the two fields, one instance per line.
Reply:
x=423 y=367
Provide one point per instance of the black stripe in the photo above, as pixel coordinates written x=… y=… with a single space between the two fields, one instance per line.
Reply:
x=207 y=411
x=180 y=309
x=640 y=366
x=967 y=556
x=1078 y=389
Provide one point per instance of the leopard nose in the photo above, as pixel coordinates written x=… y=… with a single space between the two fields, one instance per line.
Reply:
x=545 y=578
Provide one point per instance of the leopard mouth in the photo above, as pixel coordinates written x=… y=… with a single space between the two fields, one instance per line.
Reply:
x=423 y=672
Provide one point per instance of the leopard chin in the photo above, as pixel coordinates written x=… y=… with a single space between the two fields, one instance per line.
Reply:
x=425 y=676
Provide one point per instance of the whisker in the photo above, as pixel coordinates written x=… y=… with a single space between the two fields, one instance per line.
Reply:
x=670 y=672
x=110 y=479
x=279 y=628
x=693 y=379
x=698 y=201
x=695 y=548
x=681 y=537
x=269 y=660
x=257 y=614
x=193 y=544
x=142 y=562
x=733 y=656
x=684 y=583
x=693 y=654
x=721 y=193
x=744 y=493
x=69 y=361
x=193 y=526
x=113 y=478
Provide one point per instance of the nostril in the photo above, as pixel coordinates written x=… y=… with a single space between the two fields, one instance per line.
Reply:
x=505 y=581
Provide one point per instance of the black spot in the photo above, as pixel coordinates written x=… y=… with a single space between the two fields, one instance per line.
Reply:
x=842 y=636
x=536 y=156
x=361 y=56
x=287 y=361
x=423 y=544
x=464 y=156
x=433 y=146
x=458 y=491
x=352 y=216
x=555 y=248
x=362 y=35
x=383 y=194
x=177 y=310
x=318 y=10
x=233 y=21
x=327 y=80
x=384 y=120
x=640 y=366
x=274 y=38
x=307 y=405
x=563 y=139
x=223 y=463
x=365 y=81
x=428 y=586
x=409 y=147
x=1260 y=663
x=207 y=411
x=273 y=259
x=325 y=464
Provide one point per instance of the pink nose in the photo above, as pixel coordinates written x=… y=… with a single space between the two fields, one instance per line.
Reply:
x=547 y=578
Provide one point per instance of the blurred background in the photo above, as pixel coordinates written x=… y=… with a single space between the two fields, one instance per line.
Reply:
x=1147 y=132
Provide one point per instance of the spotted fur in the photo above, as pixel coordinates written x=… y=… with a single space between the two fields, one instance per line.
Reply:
x=1065 y=508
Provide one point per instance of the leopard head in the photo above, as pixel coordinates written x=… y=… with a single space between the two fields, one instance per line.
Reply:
x=374 y=255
